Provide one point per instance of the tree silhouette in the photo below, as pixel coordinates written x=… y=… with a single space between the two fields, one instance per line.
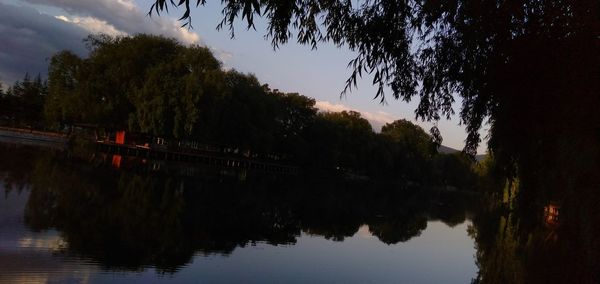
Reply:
x=23 y=102
x=158 y=87
x=530 y=68
x=446 y=48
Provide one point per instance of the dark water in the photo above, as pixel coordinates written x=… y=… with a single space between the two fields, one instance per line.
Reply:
x=439 y=254
x=75 y=216
x=69 y=216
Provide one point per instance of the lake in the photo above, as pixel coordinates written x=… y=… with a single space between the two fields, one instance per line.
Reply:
x=79 y=216
x=75 y=218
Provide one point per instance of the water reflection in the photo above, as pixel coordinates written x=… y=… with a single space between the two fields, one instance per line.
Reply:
x=146 y=216
x=173 y=219
x=539 y=241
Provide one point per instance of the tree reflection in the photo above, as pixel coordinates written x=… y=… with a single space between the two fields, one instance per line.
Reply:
x=521 y=246
x=16 y=169
x=136 y=217
x=133 y=218
x=398 y=229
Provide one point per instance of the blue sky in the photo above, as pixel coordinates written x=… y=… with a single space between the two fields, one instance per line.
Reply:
x=320 y=73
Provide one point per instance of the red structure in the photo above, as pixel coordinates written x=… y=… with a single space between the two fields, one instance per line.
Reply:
x=116 y=161
x=120 y=137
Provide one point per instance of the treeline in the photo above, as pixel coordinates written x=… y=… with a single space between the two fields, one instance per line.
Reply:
x=155 y=85
x=22 y=104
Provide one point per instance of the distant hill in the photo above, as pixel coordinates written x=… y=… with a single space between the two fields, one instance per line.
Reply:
x=447 y=150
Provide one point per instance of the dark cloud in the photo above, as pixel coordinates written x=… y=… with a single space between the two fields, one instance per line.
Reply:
x=124 y=15
x=28 y=39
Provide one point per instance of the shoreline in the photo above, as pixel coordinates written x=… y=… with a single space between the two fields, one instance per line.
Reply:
x=33 y=135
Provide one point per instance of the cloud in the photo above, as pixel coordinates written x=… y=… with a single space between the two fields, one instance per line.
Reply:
x=93 y=25
x=121 y=16
x=221 y=54
x=377 y=119
x=28 y=38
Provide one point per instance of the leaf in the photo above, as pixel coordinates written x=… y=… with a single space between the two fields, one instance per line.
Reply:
x=185 y=16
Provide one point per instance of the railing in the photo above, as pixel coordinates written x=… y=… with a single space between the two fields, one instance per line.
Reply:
x=214 y=159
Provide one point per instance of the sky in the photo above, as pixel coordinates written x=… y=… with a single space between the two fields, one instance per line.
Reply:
x=32 y=30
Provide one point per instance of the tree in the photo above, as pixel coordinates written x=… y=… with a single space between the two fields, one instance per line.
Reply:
x=411 y=147
x=3 y=102
x=245 y=114
x=411 y=137
x=64 y=104
x=446 y=48
x=295 y=114
x=341 y=140
x=144 y=83
x=23 y=102
x=528 y=67
x=117 y=68
x=170 y=105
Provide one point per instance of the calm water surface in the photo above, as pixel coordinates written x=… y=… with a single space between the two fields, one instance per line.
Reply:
x=65 y=218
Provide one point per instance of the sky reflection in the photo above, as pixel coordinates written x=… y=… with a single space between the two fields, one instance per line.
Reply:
x=439 y=254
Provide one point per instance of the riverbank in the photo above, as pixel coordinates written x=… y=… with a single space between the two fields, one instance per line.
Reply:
x=33 y=135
